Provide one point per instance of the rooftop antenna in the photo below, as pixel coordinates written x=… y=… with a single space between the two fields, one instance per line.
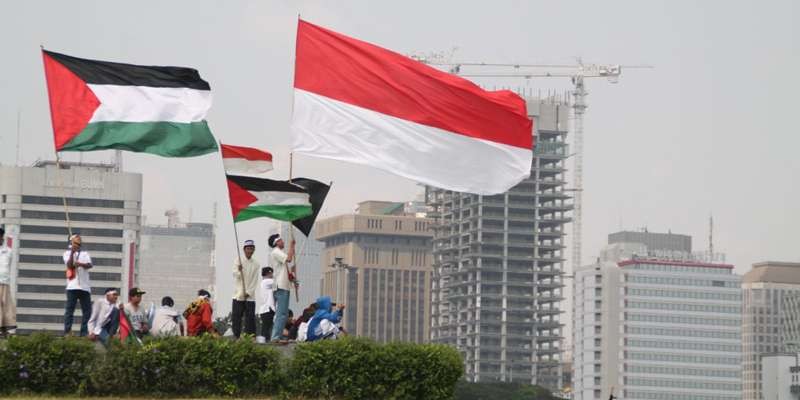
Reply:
x=19 y=117
x=711 y=237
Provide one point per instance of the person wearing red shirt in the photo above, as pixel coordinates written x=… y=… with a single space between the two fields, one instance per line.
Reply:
x=198 y=315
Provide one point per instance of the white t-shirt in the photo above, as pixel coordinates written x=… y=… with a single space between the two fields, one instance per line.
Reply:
x=277 y=260
x=136 y=315
x=81 y=279
x=166 y=322
x=267 y=296
x=5 y=264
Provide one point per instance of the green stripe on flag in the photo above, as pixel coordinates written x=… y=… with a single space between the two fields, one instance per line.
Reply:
x=283 y=213
x=167 y=139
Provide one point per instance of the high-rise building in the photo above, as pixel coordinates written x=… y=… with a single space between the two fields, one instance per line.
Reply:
x=104 y=207
x=309 y=264
x=649 y=327
x=176 y=260
x=764 y=289
x=498 y=265
x=781 y=376
x=377 y=261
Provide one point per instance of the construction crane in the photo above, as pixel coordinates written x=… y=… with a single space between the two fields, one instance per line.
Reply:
x=577 y=73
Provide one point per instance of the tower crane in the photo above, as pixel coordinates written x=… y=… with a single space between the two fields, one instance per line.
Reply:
x=576 y=73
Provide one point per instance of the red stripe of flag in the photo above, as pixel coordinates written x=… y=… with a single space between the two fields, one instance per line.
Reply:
x=248 y=153
x=364 y=75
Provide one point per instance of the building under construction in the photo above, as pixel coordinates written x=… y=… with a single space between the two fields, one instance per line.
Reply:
x=498 y=265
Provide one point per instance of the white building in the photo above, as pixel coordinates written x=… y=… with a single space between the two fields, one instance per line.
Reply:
x=767 y=290
x=104 y=207
x=656 y=329
x=781 y=376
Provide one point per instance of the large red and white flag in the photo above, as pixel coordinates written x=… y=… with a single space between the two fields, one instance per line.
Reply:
x=357 y=102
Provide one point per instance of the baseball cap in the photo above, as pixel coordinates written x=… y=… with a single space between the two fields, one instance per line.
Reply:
x=135 y=291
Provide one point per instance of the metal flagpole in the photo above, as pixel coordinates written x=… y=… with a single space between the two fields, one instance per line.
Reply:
x=235 y=230
x=291 y=237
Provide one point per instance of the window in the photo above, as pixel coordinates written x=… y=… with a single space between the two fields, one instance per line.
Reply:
x=59 y=260
x=59 y=216
x=72 y=201
x=94 y=276
x=62 y=231
x=45 y=244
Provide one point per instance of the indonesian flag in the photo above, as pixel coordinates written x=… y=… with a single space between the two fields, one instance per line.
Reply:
x=100 y=105
x=255 y=197
x=357 y=102
x=245 y=160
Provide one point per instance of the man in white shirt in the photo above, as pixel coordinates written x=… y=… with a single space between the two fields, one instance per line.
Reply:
x=279 y=261
x=8 y=310
x=78 y=263
x=167 y=321
x=104 y=321
x=245 y=281
x=267 y=310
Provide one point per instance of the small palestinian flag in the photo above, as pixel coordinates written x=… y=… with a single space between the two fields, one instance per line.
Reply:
x=100 y=105
x=256 y=197
x=245 y=160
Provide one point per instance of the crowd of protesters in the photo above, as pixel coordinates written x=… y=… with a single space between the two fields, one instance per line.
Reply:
x=107 y=317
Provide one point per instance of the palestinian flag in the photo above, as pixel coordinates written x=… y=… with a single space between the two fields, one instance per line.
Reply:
x=317 y=192
x=126 y=334
x=100 y=105
x=256 y=197
x=246 y=160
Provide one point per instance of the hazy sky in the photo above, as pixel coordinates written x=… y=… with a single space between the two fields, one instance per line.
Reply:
x=710 y=129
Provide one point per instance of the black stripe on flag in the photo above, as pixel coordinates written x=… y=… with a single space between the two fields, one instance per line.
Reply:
x=112 y=73
x=264 y=185
x=317 y=191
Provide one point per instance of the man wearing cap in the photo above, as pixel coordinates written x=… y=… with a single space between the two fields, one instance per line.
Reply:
x=135 y=312
x=104 y=321
x=8 y=310
x=78 y=263
x=279 y=261
x=198 y=315
x=246 y=276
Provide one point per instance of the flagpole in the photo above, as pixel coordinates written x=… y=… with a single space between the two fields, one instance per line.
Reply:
x=55 y=148
x=291 y=236
x=235 y=230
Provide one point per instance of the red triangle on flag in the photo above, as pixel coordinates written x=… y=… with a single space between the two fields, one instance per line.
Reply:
x=72 y=103
x=240 y=198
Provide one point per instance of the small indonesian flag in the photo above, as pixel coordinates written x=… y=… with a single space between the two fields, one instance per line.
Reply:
x=256 y=197
x=100 y=105
x=357 y=102
x=245 y=160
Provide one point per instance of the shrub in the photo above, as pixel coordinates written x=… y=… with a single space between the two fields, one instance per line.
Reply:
x=193 y=367
x=38 y=363
x=357 y=368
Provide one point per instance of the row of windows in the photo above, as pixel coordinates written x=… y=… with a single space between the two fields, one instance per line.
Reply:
x=681 y=358
x=94 y=276
x=659 y=280
x=375 y=223
x=52 y=289
x=73 y=201
x=680 y=332
x=680 y=269
x=716 y=373
x=709 y=308
x=48 y=244
x=635 y=394
x=62 y=231
x=47 y=319
x=683 y=294
x=59 y=216
x=371 y=255
x=683 y=384
x=665 y=344
x=40 y=259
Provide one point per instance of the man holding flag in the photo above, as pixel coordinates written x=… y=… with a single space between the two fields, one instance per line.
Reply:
x=246 y=273
x=279 y=261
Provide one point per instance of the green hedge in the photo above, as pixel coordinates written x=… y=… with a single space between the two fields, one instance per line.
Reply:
x=349 y=368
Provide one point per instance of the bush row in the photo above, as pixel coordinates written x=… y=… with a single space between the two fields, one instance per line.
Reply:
x=349 y=368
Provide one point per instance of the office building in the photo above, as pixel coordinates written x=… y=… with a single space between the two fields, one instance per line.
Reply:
x=104 y=207
x=656 y=327
x=309 y=264
x=176 y=260
x=498 y=265
x=781 y=376
x=378 y=262
x=764 y=289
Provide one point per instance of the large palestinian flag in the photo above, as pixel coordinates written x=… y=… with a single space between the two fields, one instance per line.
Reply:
x=257 y=197
x=100 y=105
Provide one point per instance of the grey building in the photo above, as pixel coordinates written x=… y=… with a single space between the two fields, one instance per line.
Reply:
x=176 y=260
x=308 y=259
x=765 y=289
x=498 y=265
x=104 y=207
x=654 y=241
